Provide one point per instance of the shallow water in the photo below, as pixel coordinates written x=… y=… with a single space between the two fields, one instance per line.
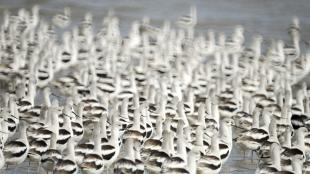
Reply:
x=265 y=17
x=269 y=18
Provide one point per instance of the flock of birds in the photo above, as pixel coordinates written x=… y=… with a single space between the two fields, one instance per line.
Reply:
x=162 y=100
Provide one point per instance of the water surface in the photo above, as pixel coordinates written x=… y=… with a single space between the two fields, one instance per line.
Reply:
x=269 y=18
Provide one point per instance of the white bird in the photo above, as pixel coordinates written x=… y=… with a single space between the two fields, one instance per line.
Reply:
x=126 y=161
x=50 y=157
x=64 y=19
x=93 y=162
x=211 y=162
x=16 y=151
x=67 y=163
x=110 y=150
x=253 y=138
x=225 y=144
x=189 y=21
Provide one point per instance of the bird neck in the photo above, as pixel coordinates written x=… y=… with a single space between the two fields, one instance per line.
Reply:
x=246 y=105
x=199 y=136
x=103 y=126
x=257 y=49
x=226 y=133
x=162 y=105
x=300 y=99
x=273 y=129
x=215 y=112
x=54 y=120
x=280 y=98
x=275 y=156
x=263 y=82
x=66 y=41
x=235 y=62
x=266 y=120
x=23 y=132
x=181 y=113
x=93 y=91
x=187 y=134
x=296 y=40
x=166 y=144
x=114 y=136
x=47 y=100
x=225 y=58
x=31 y=92
x=133 y=84
x=190 y=98
x=201 y=115
x=181 y=148
x=280 y=49
x=215 y=144
x=136 y=120
x=192 y=162
x=50 y=67
x=129 y=149
x=124 y=108
x=46 y=117
x=256 y=115
x=300 y=138
x=297 y=165
x=53 y=142
x=288 y=138
x=208 y=106
x=152 y=94
x=67 y=124
x=97 y=139
x=136 y=102
x=70 y=146
x=159 y=127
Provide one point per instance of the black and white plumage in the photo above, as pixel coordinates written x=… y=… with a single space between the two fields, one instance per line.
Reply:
x=135 y=131
x=77 y=123
x=37 y=148
x=173 y=99
x=65 y=131
x=16 y=151
x=110 y=150
x=275 y=166
x=51 y=156
x=2 y=158
x=178 y=161
x=44 y=73
x=157 y=158
x=189 y=21
x=81 y=150
x=225 y=144
x=126 y=162
x=212 y=119
x=253 y=138
x=12 y=117
x=93 y=162
x=153 y=143
x=67 y=164
x=26 y=102
x=211 y=162
x=63 y=20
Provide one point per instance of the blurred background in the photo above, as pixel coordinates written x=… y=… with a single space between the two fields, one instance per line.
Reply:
x=269 y=18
